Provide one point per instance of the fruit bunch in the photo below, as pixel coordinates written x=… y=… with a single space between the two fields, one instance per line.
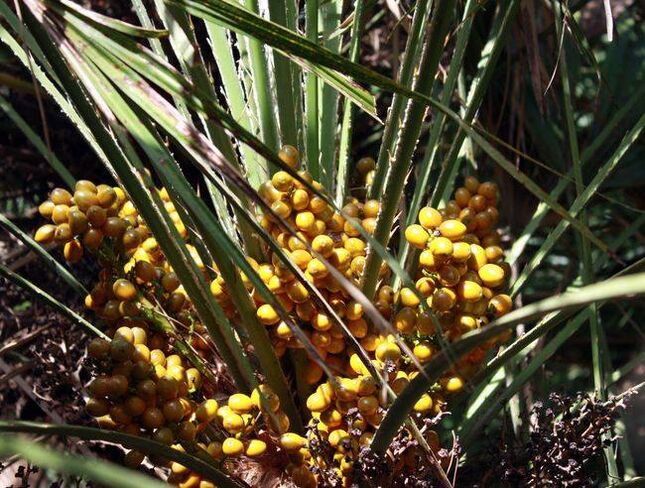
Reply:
x=150 y=379
x=146 y=381
x=321 y=239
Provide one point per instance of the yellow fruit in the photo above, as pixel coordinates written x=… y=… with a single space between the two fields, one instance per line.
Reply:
x=354 y=310
x=45 y=234
x=233 y=423
x=267 y=314
x=466 y=322
x=358 y=328
x=60 y=196
x=405 y=320
x=492 y=275
x=494 y=253
x=423 y=351
x=336 y=437
x=452 y=229
x=400 y=382
x=63 y=233
x=240 y=403
x=283 y=331
x=472 y=184
x=299 y=200
x=316 y=402
x=424 y=404
x=367 y=405
x=408 y=298
x=281 y=209
x=441 y=246
x=417 y=236
x=207 y=410
x=153 y=418
x=355 y=246
x=443 y=299
x=305 y=220
x=425 y=286
x=296 y=291
x=357 y=365
x=317 y=269
x=462 y=196
x=460 y=251
x=454 y=384
x=346 y=390
x=292 y=442
x=388 y=351
x=470 y=291
x=477 y=257
x=340 y=259
x=256 y=448
x=289 y=156
x=73 y=251
x=321 y=322
x=426 y=259
x=313 y=374
x=488 y=190
x=282 y=181
x=331 y=418
x=124 y=290
x=324 y=245
x=430 y=218
x=365 y=165
x=264 y=393
x=501 y=304
x=232 y=447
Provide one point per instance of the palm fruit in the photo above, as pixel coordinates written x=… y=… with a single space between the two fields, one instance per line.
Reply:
x=144 y=387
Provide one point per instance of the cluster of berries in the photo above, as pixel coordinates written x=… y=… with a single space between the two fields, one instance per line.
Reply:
x=146 y=385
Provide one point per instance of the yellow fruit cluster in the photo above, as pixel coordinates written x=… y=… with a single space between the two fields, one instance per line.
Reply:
x=319 y=231
x=144 y=387
x=461 y=272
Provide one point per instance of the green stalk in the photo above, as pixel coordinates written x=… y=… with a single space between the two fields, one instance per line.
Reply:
x=488 y=60
x=292 y=14
x=311 y=96
x=347 y=127
x=155 y=44
x=598 y=352
x=466 y=152
x=408 y=136
x=432 y=147
x=235 y=98
x=284 y=81
x=183 y=42
x=328 y=22
x=413 y=49
x=262 y=86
